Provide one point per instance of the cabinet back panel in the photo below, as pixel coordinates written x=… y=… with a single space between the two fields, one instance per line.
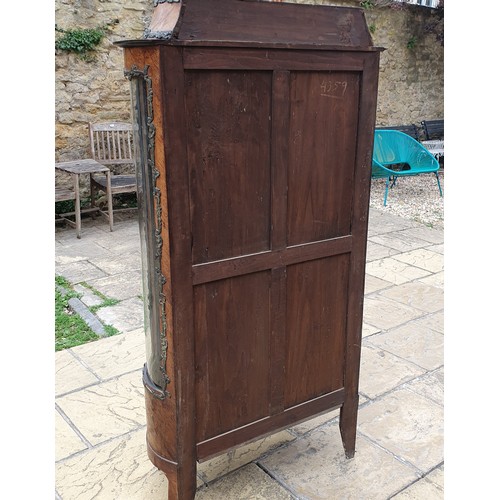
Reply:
x=321 y=154
x=232 y=325
x=229 y=131
x=315 y=328
x=271 y=338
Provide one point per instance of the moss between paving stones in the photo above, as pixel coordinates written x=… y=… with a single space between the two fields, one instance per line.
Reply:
x=75 y=323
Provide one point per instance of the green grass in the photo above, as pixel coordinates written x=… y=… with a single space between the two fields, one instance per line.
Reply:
x=105 y=301
x=70 y=329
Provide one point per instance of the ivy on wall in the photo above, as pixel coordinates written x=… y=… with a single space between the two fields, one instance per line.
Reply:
x=82 y=41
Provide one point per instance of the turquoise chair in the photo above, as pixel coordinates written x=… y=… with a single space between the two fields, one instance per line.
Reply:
x=396 y=154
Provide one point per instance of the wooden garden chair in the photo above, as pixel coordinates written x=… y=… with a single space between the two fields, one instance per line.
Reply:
x=111 y=145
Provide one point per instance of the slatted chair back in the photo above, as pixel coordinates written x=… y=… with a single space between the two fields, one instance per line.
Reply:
x=111 y=143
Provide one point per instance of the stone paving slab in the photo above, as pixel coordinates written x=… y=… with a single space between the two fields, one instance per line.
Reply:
x=423 y=258
x=416 y=295
x=437 y=248
x=127 y=315
x=382 y=371
x=423 y=347
x=394 y=271
x=408 y=425
x=88 y=297
x=248 y=483
x=315 y=467
x=123 y=239
x=374 y=284
x=115 y=355
x=120 y=286
x=107 y=410
x=434 y=321
x=100 y=417
x=423 y=489
x=375 y=251
x=122 y=245
x=119 y=263
x=436 y=280
x=71 y=374
x=92 y=229
x=223 y=464
x=369 y=330
x=381 y=223
x=437 y=476
x=400 y=241
x=88 y=249
x=384 y=313
x=119 y=469
x=435 y=236
x=430 y=385
x=68 y=441
x=78 y=272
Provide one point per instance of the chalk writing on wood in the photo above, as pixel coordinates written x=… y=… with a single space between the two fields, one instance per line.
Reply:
x=333 y=89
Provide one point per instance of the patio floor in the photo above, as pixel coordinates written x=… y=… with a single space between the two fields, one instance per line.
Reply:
x=100 y=415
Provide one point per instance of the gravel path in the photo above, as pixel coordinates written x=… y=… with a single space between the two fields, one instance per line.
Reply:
x=416 y=198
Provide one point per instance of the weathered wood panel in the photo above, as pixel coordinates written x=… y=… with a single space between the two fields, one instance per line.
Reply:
x=322 y=154
x=315 y=328
x=232 y=324
x=229 y=162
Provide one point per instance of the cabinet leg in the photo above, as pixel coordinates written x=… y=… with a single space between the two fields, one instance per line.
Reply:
x=181 y=479
x=181 y=485
x=173 y=487
x=348 y=422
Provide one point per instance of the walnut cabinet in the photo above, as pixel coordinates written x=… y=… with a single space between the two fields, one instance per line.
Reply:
x=253 y=128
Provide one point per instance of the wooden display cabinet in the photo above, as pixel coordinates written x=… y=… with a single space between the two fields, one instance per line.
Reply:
x=254 y=129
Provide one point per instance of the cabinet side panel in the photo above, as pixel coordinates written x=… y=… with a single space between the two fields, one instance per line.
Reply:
x=160 y=413
x=316 y=328
x=323 y=127
x=232 y=324
x=229 y=162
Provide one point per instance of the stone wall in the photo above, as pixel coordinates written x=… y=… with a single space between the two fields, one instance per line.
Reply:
x=96 y=90
x=411 y=83
x=410 y=88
